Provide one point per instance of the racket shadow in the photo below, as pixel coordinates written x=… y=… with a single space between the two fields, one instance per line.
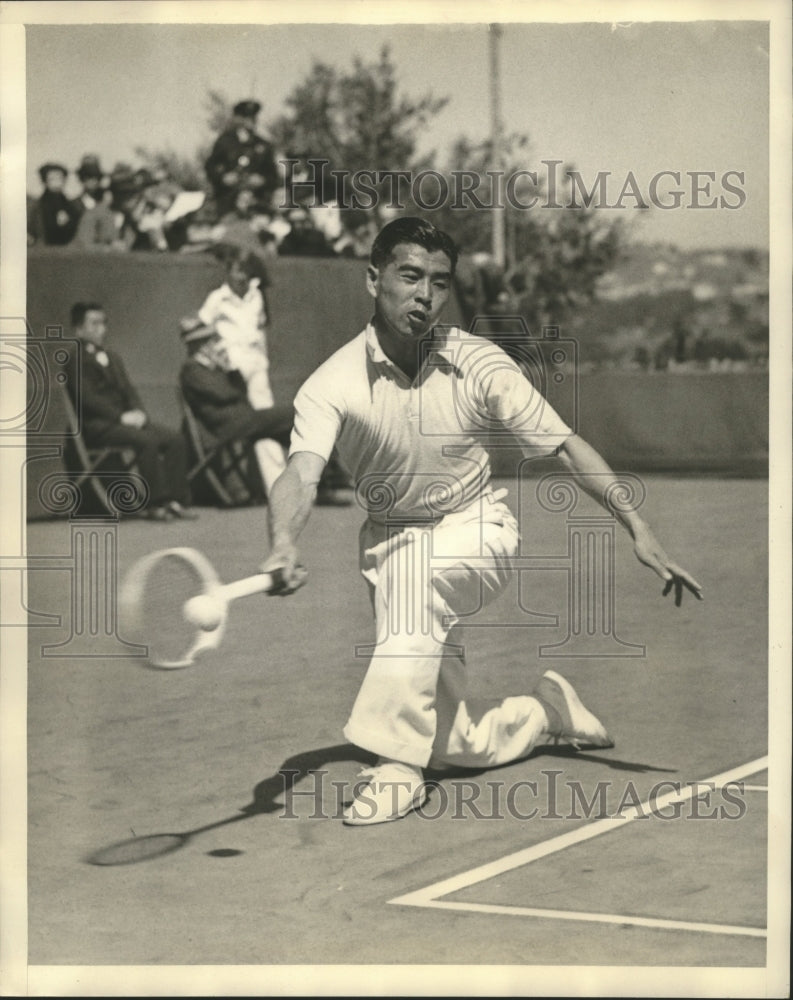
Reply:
x=265 y=799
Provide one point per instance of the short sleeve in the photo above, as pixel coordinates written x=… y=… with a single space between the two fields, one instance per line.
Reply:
x=511 y=399
x=318 y=418
x=208 y=312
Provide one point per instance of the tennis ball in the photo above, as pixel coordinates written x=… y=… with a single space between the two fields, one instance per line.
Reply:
x=204 y=611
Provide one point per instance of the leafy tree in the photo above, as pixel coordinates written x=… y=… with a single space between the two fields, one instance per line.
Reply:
x=356 y=120
x=554 y=256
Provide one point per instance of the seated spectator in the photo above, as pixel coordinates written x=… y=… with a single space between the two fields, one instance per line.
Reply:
x=217 y=396
x=241 y=158
x=304 y=239
x=112 y=414
x=357 y=236
x=54 y=218
x=246 y=226
x=96 y=228
x=125 y=192
x=238 y=312
x=151 y=214
x=141 y=200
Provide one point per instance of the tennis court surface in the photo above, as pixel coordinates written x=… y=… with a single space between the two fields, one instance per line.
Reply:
x=649 y=854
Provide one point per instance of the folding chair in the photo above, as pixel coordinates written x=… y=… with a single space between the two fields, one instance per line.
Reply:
x=94 y=465
x=228 y=470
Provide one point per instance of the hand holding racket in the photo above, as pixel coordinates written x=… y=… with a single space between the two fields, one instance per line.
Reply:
x=284 y=562
x=173 y=601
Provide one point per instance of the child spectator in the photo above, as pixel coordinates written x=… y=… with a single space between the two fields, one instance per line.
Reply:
x=237 y=310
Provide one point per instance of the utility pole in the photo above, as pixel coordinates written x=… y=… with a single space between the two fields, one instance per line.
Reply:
x=497 y=146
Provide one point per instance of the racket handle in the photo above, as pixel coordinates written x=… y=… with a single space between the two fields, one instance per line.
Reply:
x=261 y=583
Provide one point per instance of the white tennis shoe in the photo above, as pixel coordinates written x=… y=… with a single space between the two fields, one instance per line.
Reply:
x=578 y=725
x=391 y=790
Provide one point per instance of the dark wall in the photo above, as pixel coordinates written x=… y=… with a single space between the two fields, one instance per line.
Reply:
x=316 y=304
x=697 y=422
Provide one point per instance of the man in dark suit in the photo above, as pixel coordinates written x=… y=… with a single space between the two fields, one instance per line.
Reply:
x=218 y=397
x=112 y=414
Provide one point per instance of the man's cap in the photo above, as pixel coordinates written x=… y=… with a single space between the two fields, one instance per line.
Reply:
x=90 y=167
x=247 y=109
x=47 y=168
x=194 y=329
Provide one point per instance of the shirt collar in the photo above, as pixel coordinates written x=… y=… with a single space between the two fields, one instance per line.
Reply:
x=379 y=357
x=97 y=352
x=230 y=294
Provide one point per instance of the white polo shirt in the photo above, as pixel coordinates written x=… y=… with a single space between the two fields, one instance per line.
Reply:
x=416 y=450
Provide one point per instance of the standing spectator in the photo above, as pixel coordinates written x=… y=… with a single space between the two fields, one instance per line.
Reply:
x=54 y=217
x=238 y=311
x=112 y=414
x=241 y=158
x=96 y=227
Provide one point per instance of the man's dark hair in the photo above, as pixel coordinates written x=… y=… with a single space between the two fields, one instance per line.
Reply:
x=411 y=229
x=79 y=309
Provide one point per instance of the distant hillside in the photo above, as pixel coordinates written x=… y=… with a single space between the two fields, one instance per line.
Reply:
x=661 y=308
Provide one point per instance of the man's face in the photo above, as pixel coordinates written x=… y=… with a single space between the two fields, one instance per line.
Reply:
x=411 y=290
x=94 y=327
x=216 y=351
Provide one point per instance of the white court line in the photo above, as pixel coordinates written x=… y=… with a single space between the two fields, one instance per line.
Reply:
x=430 y=895
x=598 y=918
x=755 y=788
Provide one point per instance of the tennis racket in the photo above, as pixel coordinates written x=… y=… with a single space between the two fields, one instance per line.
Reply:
x=173 y=602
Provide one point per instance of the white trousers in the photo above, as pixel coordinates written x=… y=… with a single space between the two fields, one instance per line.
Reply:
x=412 y=705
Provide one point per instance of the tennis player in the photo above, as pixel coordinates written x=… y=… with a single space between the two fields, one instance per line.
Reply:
x=408 y=405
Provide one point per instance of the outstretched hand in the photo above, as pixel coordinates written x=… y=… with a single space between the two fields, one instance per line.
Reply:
x=649 y=552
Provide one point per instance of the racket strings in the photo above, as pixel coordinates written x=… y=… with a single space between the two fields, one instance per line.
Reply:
x=171 y=582
x=128 y=852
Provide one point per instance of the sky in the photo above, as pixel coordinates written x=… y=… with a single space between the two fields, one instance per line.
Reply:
x=605 y=97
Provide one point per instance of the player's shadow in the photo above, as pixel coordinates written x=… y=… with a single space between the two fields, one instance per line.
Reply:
x=272 y=795
x=267 y=793
x=611 y=762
